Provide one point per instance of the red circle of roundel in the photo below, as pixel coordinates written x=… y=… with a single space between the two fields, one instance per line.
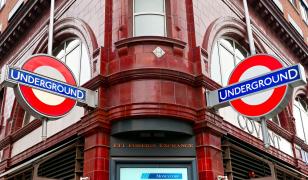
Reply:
x=52 y=111
x=272 y=102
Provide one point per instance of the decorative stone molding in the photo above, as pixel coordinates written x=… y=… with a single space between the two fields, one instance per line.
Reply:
x=71 y=27
x=20 y=23
x=123 y=45
x=209 y=121
x=275 y=18
x=93 y=121
x=151 y=73
x=227 y=26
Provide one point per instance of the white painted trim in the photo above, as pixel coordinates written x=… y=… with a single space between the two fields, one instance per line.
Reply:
x=278 y=4
x=15 y=9
x=297 y=28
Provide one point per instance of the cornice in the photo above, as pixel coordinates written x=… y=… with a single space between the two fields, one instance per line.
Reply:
x=275 y=19
x=20 y=23
x=280 y=131
x=151 y=73
x=301 y=143
x=20 y=133
x=150 y=39
x=210 y=121
x=177 y=45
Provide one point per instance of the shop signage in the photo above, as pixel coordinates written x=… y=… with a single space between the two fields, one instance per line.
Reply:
x=258 y=87
x=182 y=146
x=153 y=145
x=46 y=87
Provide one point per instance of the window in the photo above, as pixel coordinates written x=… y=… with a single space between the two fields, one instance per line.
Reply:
x=275 y=120
x=226 y=54
x=304 y=156
x=149 y=18
x=27 y=119
x=300 y=113
x=296 y=26
x=304 y=11
x=278 y=4
x=2 y=3
x=15 y=9
x=293 y=2
x=75 y=55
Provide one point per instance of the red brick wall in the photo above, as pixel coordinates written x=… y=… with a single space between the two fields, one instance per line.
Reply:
x=296 y=15
x=4 y=12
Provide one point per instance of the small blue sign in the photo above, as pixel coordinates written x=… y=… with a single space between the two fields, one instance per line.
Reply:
x=46 y=84
x=161 y=176
x=264 y=82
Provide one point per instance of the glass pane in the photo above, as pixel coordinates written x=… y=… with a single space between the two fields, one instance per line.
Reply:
x=240 y=52
x=305 y=124
x=85 y=73
x=73 y=61
x=303 y=11
x=149 y=6
x=275 y=120
x=237 y=60
x=149 y=25
x=143 y=173
x=71 y=44
x=27 y=119
x=227 y=64
x=59 y=51
x=302 y=104
x=227 y=43
x=298 y=122
x=215 y=66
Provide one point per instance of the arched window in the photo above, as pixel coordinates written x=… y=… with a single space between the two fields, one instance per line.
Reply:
x=300 y=112
x=75 y=55
x=226 y=54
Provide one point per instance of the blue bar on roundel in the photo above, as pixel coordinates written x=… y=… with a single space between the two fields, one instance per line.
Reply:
x=258 y=84
x=44 y=83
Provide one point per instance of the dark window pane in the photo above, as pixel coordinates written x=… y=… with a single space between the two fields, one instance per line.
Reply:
x=59 y=51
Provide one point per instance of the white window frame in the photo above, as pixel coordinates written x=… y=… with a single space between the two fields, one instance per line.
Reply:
x=295 y=25
x=28 y=118
x=15 y=9
x=150 y=13
x=304 y=7
x=278 y=4
x=276 y=120
x=301 y=120
x=2 y=4
x=66 y=53
x=232 y=51
x=293 y=2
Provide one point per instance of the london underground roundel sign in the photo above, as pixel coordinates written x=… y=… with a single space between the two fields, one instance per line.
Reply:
x=259 y=86
x=46 y=87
